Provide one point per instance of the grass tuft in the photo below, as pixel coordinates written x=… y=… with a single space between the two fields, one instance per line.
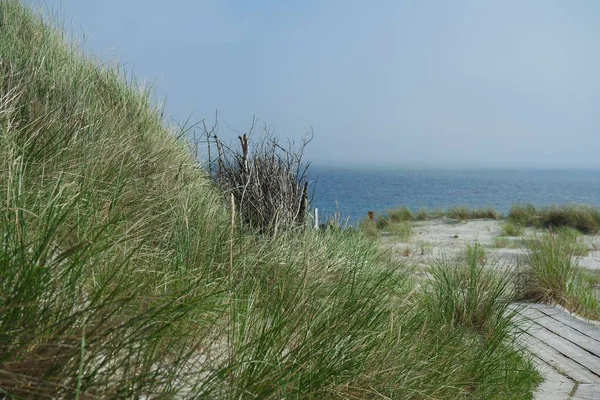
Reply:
x=423 y=215
x=468 y=293
x=584 y=218
x=553 y=275
x=475 y=254
x=470 y=302
x=485 y=213
x=404 y=214
x=401 y=214
x=510 y=228
x=523 y=214
x=462 y=213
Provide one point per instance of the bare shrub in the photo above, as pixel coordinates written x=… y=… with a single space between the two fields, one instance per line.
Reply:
x=268 y=180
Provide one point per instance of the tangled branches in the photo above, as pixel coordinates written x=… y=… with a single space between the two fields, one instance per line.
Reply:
x=269 y=182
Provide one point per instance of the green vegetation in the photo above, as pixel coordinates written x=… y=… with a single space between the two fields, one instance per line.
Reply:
x=502 y=242
x=369 y=228
x=401 y=229
x=574 y=240
x=423 y=215
x=485 y=213
x=510 y=228
x=462 y=213
x=506 y=242
x=475 y=254
x=396 y=223
x=553 y=275
x=400 y=215
x=466 y=294
x=584 y=218
x=404 y=214
x=524 y=215
x=127 y=275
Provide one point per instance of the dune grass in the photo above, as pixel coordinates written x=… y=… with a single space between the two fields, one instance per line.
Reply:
x=585 y=218
x=469 y=294
x=510 y=228
x=461 y=213
x=400 y=215
x=507 y=242
x=553 y=275
x=475 y=254
x=126 y=274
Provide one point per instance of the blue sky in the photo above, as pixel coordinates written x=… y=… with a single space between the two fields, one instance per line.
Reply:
x=494 y=84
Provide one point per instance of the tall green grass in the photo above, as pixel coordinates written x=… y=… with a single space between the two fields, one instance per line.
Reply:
x=461 y=213
x=584 y=218
x=553 y=275
x=510 y=228
x=469 y=295
x=475 y=254
x=125 y=273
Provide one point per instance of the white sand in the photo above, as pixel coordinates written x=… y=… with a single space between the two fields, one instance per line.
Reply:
x=447 y=238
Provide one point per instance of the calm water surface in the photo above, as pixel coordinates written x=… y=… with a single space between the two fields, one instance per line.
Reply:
x=353 y=191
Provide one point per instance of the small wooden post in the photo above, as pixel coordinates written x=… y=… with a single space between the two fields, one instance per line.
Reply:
x=316 y=218
x=301 y=216
x=371 y=215
x=245 y=151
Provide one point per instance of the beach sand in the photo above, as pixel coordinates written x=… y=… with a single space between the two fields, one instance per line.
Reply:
x=439 y=238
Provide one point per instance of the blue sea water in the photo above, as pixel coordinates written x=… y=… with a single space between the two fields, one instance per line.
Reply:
x=352 y=192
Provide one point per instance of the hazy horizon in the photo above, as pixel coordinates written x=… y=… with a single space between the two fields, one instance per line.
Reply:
x=427 y=84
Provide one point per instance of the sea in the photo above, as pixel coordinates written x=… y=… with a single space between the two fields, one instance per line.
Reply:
x=348 y=193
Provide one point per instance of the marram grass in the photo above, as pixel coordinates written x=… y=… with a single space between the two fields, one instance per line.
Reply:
x=582 y=217
x=124 y=275
x=552 y=273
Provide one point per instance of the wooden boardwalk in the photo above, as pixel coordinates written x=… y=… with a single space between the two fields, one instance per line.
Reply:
x=566 y=350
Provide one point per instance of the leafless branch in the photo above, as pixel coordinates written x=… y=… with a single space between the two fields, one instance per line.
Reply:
x=269 y=182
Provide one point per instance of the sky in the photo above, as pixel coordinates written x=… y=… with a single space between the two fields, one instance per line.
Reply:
x=423 y=84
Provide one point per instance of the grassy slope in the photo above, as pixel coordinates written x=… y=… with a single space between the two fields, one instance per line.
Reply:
x=123 y=275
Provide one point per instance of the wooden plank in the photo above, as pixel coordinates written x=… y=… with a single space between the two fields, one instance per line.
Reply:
x=548 y=372
x=585 y=328
x=569 y=350
x=579 y=323
x=549 y=390
x=557 y=360
x=548 y=309
x=555 y=386
x=565 y=331
x=587 y=392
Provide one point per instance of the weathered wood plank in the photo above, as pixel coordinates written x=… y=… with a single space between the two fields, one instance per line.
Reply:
x=565 y=331
x=550 y=390
x=557 y=360
x=548 y=309
x=569 y=350
x=555 y=386
x=587 y=392
x=564 y=347
x=586 y=328
x=548 y=372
